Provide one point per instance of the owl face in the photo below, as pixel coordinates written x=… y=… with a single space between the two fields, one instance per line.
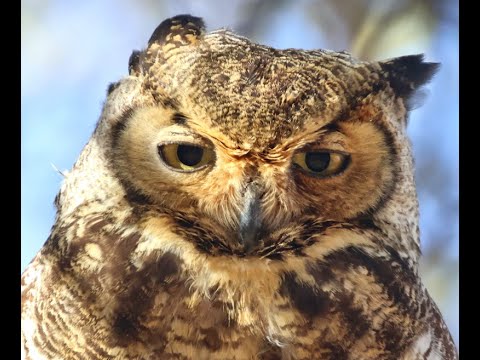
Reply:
x=251 y=150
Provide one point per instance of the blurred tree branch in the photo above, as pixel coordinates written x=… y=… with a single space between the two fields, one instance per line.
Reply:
x=366 y=27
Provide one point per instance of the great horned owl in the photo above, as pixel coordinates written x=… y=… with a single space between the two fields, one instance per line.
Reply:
x=239 y=202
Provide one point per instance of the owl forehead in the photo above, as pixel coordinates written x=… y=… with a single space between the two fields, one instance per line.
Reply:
x=250 y=91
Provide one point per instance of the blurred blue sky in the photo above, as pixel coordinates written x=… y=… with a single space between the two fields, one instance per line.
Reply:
x=71 y=51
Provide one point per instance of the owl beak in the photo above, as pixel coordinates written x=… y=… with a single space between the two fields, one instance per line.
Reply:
x=250 y=221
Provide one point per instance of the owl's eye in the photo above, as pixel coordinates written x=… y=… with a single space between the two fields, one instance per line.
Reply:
x=322 y=163
x=186 y=157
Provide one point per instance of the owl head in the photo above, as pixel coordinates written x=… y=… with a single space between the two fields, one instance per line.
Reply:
x=249 y=151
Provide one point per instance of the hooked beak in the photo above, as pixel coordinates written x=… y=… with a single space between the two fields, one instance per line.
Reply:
x=250 y=221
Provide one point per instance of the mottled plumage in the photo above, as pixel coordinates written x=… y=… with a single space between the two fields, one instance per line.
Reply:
x=239 y=202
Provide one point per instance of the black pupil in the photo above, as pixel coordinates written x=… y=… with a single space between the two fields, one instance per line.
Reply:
x=189 y=155
x=317 y=161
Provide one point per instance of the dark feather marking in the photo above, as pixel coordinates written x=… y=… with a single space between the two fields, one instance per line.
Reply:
x=307 y=300
x=275 y=256
x=393 y=337
x=337 y=352
x=135 y=197
x=211 y=339
x=392 y=163
x=112 y=86
x=57 y=201
x=423 y=310
x=125 y=328
x=354 y=317
x=179 y=119
x=273 y=353
x=365 y=222
x=120 y=125
x=134 y=62
x=137 y=298
x=255 y=70
x=269 y=247
x=96 y=224
x=43 y=340
x=390 y=273
x=204 y=240
x=321 y=272
x=316 y=302
x=429 y=350
x=295 y=242
x=168 y=102
x=134 y=290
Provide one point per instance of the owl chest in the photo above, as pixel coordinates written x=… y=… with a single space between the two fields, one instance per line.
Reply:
x=217 y=316
x=182 y=320
x=226 y=319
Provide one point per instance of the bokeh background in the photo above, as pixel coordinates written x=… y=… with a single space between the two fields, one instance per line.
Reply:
x=71 y=51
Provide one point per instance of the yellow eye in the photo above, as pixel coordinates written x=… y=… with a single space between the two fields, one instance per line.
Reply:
x=186 y=157
x=322 y=163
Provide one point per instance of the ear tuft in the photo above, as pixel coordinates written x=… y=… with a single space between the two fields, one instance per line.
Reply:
x=407 y=73
x=172 y=33
x=178 y=30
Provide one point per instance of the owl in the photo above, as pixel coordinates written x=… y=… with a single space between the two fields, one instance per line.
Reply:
x=237 y=201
